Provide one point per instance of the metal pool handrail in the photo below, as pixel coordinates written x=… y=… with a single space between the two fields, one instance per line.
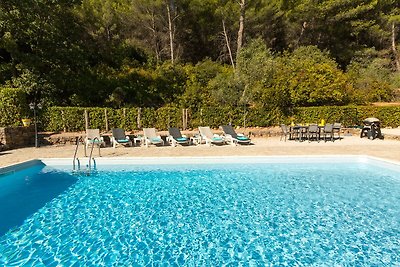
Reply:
x=78 y=140
x=91 y=152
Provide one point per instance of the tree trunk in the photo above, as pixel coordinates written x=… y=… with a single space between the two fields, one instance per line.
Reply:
x=227 y=44
x=303 y=28
x=170 y=9
x=242 y=4
x=395 y=55
x=155 y=37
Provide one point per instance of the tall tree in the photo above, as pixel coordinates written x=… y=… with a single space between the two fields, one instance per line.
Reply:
x=152 y=25
x=228 y=45
x=42 y=43
x=145 y=25
x=390 y=21
x=242 y=16
x=172 y=16
x=340 y=26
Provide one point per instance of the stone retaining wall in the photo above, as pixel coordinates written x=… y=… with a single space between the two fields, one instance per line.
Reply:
x=14 y=137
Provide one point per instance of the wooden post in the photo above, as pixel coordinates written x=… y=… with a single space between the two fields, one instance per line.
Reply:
x=86 y=119
x=106 y=119
x=183 y=119
x=244 y=117
x=201 y=116
x=186 y=118
x=63 y=120
x=124 y=116
x=138 y=121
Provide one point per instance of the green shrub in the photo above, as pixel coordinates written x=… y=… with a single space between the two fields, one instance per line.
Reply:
x=371 y=76
x=213 y=117
x=347 y=115
x=60 y=118
x=314 y=78
x=13 y=106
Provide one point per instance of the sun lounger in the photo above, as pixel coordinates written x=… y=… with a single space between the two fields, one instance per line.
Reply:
x=175 y=137
x=93 y=138
x=151 y=137
x=209 y=137
x=234 y=138
x=119 y=138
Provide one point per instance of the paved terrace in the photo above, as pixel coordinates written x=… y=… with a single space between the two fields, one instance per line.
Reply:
x=263 y=146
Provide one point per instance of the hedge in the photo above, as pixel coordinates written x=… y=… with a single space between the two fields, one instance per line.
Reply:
x=13 y=106
x=350 y=115
x=73 y=119
x=347 y=115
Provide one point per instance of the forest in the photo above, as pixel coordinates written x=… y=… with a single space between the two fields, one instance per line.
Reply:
x=193 y=53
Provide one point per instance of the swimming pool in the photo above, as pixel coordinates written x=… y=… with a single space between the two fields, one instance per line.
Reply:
x=256 y=211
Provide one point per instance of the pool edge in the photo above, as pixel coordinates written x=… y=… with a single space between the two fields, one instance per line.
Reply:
x=19 y=166
x=191 y=160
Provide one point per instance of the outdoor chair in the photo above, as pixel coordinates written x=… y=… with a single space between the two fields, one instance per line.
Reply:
x=119 y=138
x=286 y=132
x=303 y=133
x=93 y=138
x=328 y=130
x=337 y=127
x=299 y=132
x=151 y=137
x=234 y=138
x=313 y=132
x=209 y=137
x=175 y=137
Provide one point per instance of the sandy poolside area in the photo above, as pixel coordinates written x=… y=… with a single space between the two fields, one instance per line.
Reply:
x=263 y=146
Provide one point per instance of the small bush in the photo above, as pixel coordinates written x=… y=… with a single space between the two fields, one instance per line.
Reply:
x=13 y=106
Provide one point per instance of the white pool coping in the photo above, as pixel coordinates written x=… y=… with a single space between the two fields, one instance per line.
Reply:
x=207 y=160
x=162 y=161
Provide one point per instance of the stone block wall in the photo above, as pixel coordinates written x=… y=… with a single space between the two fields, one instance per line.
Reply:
x=14 y=137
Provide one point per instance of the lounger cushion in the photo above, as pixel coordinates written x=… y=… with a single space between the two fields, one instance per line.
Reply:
x=181 y=139
x=217 y=138
x=242 y=138
x=123 y=141
x=155 y=140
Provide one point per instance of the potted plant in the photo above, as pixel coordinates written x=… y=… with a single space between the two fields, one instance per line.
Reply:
x=26 y=122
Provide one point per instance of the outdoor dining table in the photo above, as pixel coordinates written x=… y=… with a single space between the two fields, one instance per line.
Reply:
x=301 y=131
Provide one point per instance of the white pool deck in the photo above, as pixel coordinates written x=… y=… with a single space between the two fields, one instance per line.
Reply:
x=388 y=149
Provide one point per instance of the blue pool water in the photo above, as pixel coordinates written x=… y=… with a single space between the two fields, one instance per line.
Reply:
x=207 y=215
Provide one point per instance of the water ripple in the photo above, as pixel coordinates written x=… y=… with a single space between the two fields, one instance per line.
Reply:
x=264 y=215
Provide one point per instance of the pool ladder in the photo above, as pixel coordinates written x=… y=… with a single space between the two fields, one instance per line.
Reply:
x=90 y=156
x=75 y=161
x=76 y=166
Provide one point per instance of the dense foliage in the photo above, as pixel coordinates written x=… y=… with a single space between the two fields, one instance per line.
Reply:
x=260 y=54
x=73 y=118
x=13 y=106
